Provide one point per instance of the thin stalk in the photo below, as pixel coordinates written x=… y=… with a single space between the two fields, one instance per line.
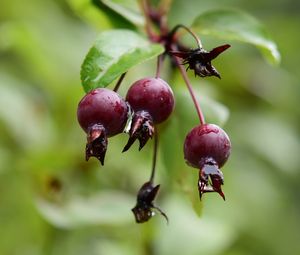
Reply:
x=173 y=32
x=118 y=84
x=163 y=10
x=155 y=146
x=160 y=60
x=190 y=88
x=145 y=5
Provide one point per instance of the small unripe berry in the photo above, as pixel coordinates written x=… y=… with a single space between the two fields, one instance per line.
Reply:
x=207 y=147
x=101 y=113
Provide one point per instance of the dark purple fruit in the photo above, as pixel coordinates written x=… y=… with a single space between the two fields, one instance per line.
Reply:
x=152 y=95
x=152 y=101
x=101 y=113
x=206 y=141
x=207 y=147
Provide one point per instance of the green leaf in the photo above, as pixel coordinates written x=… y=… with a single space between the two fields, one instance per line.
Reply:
x=88 y=12
x=28 y=128
x=236 y=25
x=114 y=52
x=129 y=9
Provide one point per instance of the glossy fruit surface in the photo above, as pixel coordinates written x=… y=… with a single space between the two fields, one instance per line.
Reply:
x=153 y=95
x=206 y=143
x=105 y=107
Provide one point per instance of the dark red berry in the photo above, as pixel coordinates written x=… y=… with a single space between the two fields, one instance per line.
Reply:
x=105 y=107
x=152 y=101
x=152 y=95
x=207 y=147
x=101 y=113
x=206 y=141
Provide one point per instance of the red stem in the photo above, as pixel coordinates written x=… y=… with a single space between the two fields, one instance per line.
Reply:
x=160 y=60
x=190 y=88
x=173 y=32
x=146 y=9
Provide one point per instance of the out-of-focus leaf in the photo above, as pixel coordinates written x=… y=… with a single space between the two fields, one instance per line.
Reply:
x=214 y=111
x=129 y=9
x=236 y=25
x=106 y=208
x=267 y=136
x=35 y=56
x=210 y=235
x=88 y=12
x=4 y=159
x=19 y=113
x=6 y=31
x=97 y=14
x=113 y=53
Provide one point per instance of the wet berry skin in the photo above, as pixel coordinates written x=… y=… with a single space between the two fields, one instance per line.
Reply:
x=152 y=95
x=204 y=142
x=207 y=147
x=105 y=107
x=101 y=113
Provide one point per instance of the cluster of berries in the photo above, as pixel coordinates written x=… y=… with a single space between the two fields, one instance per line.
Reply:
x=102 y=113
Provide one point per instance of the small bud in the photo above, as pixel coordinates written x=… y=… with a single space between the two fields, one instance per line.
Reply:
x=96 y=143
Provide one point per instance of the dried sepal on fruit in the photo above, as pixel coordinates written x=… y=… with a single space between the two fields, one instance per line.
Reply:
x=152 y=101
x=207 y=147
x=199 y=60
x=142 y=128
x=144 y=209
x=210 y=178
x=101 y=113
x=96 y=145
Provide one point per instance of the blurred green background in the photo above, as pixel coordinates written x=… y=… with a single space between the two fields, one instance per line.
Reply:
x=53 y=202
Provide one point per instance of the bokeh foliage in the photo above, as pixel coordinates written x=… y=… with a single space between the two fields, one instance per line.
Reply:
x=53 y=202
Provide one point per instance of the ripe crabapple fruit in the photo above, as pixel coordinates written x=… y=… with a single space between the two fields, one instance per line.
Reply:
x=207 y=147
x=101 y=113
x=152 y=101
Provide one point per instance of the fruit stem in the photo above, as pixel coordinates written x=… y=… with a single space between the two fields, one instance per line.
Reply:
x=174 y=30
x=160 y=60
x=117 y=86
x=145 y=5
x=190 y=88
x=155 y=146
